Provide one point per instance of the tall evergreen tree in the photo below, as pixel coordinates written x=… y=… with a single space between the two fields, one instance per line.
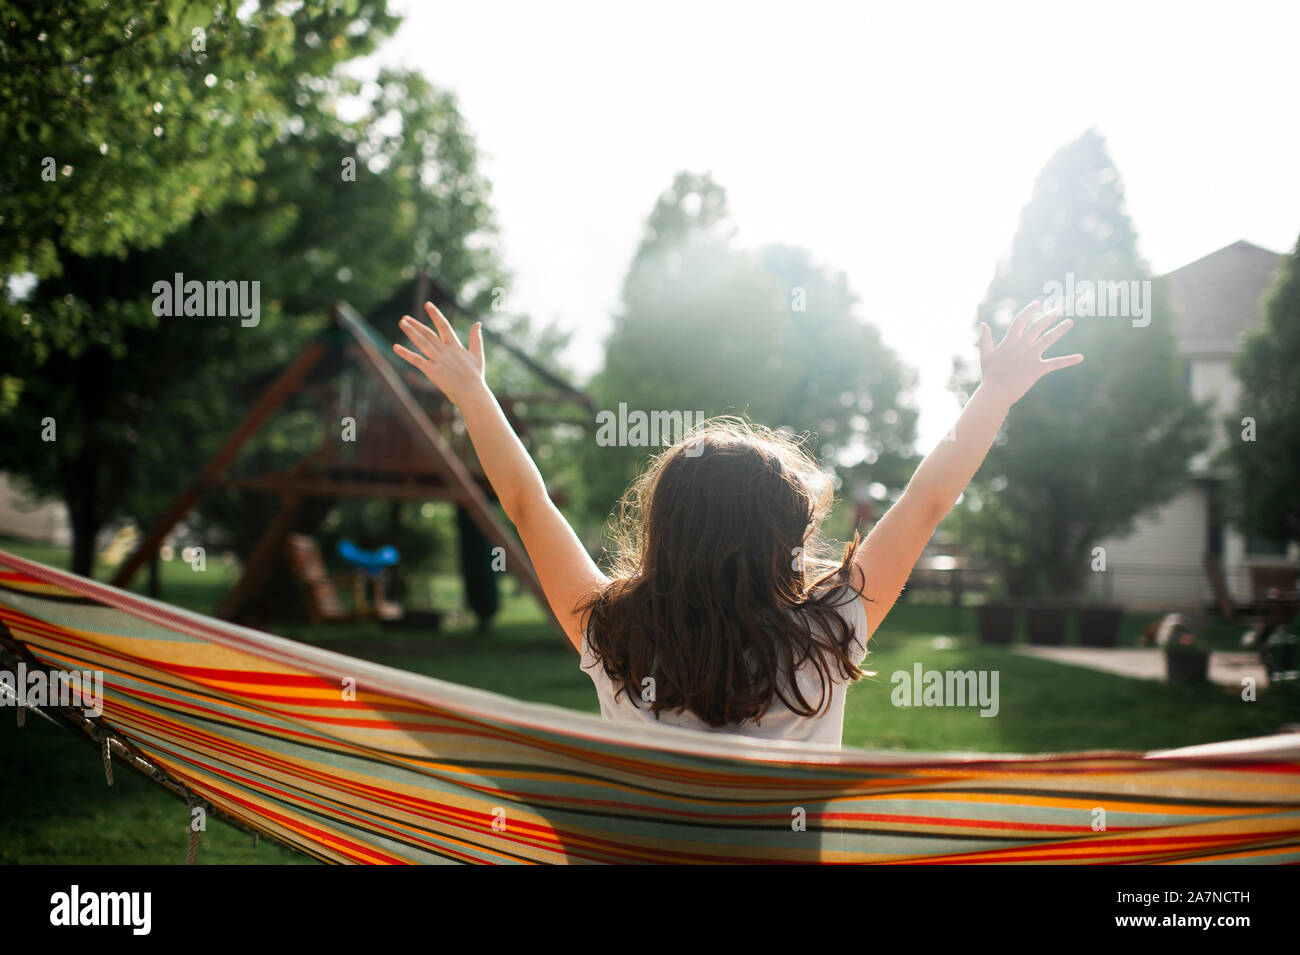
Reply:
x=1263 y=436
x=1092 y=448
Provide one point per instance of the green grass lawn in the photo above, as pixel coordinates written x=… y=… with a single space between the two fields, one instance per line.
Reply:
x=56 y=808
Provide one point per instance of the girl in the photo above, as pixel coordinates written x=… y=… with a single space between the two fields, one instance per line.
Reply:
x=720 y=615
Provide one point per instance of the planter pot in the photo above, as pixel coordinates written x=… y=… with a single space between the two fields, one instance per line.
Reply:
x=1047 y=626
x=1187 y=667
x=1278 y=654
x=997 y=622
x=1099 y=626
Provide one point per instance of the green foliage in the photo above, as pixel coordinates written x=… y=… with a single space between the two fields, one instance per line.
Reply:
x=845 y=384
x=1091 y=447
x=712 y=328
x=149 y=113
x=330 y=208
x=1265 y=471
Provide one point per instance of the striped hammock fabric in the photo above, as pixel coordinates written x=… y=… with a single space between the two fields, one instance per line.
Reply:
x=353 y=762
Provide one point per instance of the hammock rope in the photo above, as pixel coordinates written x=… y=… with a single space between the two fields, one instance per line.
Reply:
x=108 y=761
x=192 y=855
x=351 y=762
x=92 y=731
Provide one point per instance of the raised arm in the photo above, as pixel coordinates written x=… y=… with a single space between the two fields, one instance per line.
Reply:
x=563 y=565
x=886 y=558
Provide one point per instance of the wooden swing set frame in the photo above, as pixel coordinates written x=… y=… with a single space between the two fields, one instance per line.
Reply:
x=427 y=469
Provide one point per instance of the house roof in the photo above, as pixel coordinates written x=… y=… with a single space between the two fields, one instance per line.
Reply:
x=1219 y=296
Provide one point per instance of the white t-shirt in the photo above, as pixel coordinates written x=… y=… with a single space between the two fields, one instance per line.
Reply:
x=779 y=722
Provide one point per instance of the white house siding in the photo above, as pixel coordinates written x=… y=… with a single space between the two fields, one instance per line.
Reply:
x=1160 y=566
x=1212 y=378
x=1236 y=565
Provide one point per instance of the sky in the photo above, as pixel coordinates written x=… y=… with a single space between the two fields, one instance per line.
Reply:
x=896 y=142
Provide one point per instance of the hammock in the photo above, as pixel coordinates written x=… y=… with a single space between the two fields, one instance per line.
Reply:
x=264 y=732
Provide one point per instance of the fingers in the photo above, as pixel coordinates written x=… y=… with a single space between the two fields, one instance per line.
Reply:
x=1041 y=323
x=423 y=336
x=1052 y=364
x=419 y=361
x=1027 y=314
x=445 y=331
x=986 y=343
x=476 y=342
x=1052 y=337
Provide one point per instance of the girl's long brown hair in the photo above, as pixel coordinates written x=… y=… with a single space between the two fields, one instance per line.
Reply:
x=721 y=589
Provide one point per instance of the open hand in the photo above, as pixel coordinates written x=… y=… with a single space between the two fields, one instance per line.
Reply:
x=1013 y=367
x=455 y=371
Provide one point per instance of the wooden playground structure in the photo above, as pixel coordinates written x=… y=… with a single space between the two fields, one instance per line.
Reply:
x=401 y=448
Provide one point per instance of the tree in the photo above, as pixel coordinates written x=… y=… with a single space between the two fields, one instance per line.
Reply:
x=847 y=386
x=1263 y=448
x=147 y=114
x=122 y=122
x=336 y=209
x=708 y=328
x=1091 y=448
